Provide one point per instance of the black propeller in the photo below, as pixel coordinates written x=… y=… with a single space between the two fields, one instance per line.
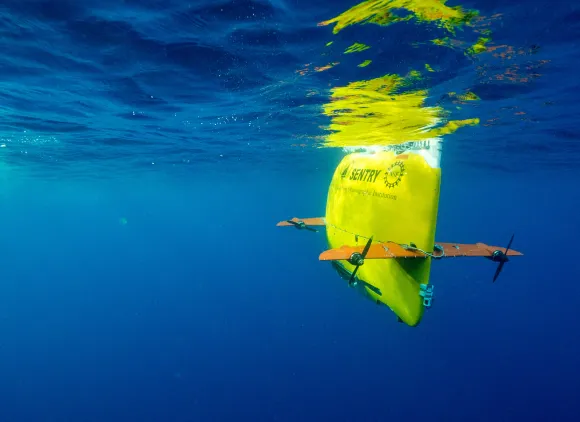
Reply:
x=301 y=225
x=502 y=258
x=358 y=259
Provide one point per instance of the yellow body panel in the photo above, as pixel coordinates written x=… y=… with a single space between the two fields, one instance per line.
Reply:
x=392 y=198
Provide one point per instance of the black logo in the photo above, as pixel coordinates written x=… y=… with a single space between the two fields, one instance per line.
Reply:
x=394 y=174
x=345 y=172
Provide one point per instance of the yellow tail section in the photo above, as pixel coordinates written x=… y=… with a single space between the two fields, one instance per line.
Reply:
x=392 y=197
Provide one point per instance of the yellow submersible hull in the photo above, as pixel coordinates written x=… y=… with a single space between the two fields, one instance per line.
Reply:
x=393 y=196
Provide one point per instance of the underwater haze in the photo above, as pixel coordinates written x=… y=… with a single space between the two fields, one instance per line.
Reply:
x=148 y=148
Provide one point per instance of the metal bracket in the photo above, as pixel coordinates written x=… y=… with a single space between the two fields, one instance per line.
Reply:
x=427 y=294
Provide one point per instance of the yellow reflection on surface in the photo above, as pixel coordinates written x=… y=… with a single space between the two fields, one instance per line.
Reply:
x=356 y=48
x=391 y=109
x=383 y=12
x=377 y=112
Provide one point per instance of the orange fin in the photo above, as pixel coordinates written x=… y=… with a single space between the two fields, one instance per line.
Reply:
x=387 y=250
x=313 y=221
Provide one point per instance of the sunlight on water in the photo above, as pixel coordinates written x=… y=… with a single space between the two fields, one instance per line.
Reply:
x=289 y=76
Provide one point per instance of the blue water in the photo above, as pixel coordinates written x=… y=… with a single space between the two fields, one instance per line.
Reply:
x=147 y=150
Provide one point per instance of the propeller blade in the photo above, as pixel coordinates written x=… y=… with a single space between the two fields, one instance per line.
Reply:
x=509 y=245
x=364 y=253
x=499 y=268
x=367 y=247
x=351 y=279
x=504 y=260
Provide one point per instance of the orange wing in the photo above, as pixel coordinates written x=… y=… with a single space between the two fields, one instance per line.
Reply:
x=313 y=221
x=389 y=250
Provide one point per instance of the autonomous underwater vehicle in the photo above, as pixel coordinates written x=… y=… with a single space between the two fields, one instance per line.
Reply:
x=380 y=222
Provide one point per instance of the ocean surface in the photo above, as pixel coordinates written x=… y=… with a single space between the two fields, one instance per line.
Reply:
x=148 y=148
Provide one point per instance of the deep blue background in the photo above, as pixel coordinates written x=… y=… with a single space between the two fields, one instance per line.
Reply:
x=199 y=308
x=195 y=311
